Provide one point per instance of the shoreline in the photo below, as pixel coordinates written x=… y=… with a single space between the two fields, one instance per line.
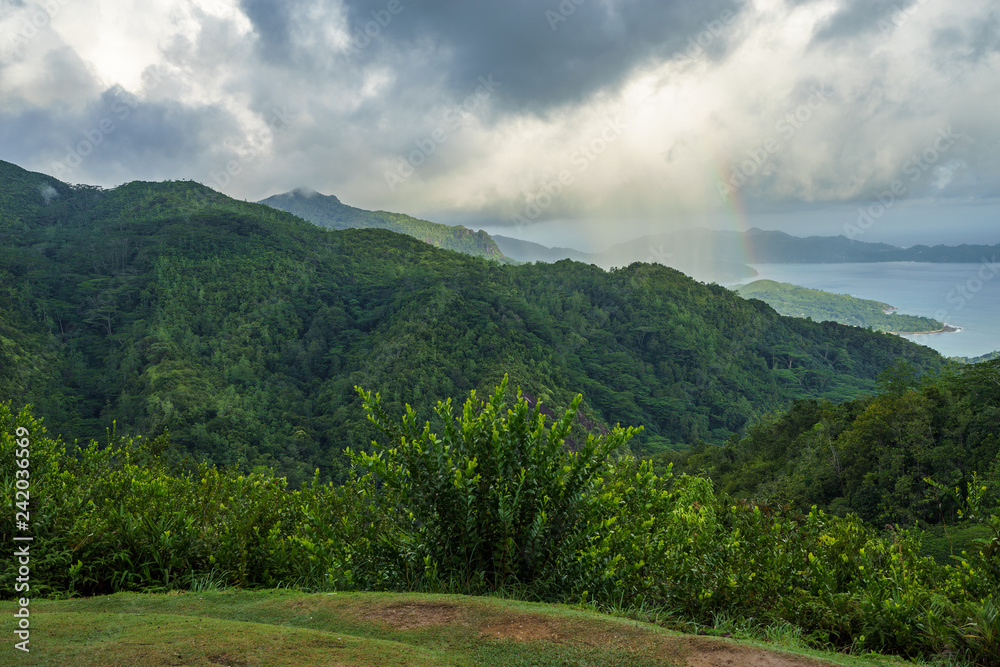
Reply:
x=947 y=329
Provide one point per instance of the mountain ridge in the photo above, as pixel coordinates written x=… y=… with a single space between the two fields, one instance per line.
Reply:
x=330 y=212
x=705 y=247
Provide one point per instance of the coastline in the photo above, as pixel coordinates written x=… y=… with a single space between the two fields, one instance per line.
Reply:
x=947 y=329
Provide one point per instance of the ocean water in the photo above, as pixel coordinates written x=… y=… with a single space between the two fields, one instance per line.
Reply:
x=962 y=295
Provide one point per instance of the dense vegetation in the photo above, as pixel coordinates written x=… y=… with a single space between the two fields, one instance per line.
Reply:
x=328 y=211
x=221 y=345
x=976 y=360
x=872 y=456
x=492 y=501
x=243 y=329
x=821 y=306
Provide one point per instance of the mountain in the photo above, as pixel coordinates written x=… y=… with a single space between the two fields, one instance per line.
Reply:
x=773 y=247
x=701 y=267
x=243 y=330
x=526 y=251
x=328 y=211
x=722 y=256
x=976 y=360
x=821 y=306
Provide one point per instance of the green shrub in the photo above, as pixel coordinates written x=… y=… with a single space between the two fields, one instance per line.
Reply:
x=496 y=500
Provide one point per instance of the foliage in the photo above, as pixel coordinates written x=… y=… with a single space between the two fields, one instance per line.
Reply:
x=496 y=500
x=498 y=503
x=976 y=360
x=116 y=518
x=870 y=456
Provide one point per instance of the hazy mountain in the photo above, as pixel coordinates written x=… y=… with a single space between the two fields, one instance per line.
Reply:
x=650 y=250
x=773 y=247
x=722 y=256
x=526 y=251
x=328 y=211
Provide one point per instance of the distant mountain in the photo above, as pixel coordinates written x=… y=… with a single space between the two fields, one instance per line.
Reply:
x=701 y=267
x=328 y=211
x=976 y=360
x=772 y=247
x=722 y=256
x=526 y=251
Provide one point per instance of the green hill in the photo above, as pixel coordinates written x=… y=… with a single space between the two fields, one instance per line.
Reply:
x=243 y=329
x=795 y=301
x=871 y=456
x=328 y=211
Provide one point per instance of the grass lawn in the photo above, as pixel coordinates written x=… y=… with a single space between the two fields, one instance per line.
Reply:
x=250 y=628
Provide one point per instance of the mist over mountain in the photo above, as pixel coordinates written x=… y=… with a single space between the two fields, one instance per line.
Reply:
x=328 y=211
x=527 y=251
x=723 y=255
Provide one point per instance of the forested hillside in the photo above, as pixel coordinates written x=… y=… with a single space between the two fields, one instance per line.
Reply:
x=821 y=306
x=871 y=456
x=243 y=330
x=328 y=211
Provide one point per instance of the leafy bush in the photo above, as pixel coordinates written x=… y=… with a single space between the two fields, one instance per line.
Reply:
x=497 y=500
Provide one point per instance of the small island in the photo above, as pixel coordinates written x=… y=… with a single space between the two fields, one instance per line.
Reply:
x=820 y=306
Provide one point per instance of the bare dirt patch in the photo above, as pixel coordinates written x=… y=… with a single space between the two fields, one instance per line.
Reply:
x=227 y=661
x=703 y=653
x=415 y=615
x=522 y=629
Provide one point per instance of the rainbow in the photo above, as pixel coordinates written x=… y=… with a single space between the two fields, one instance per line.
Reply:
x=735 y=215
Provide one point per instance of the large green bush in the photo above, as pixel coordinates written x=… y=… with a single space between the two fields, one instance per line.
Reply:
x=498 y=499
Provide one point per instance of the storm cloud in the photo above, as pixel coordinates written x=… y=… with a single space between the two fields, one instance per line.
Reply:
x=511 y=113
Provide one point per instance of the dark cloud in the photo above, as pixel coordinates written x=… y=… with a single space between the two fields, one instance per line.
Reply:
x=861 y=18
x=986 y=37
x=270 y=20
x=547 y=53
x=119 y=138
x=970 y=42
x=354 y=112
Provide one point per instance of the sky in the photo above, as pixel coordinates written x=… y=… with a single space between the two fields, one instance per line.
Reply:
x=572 y=122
